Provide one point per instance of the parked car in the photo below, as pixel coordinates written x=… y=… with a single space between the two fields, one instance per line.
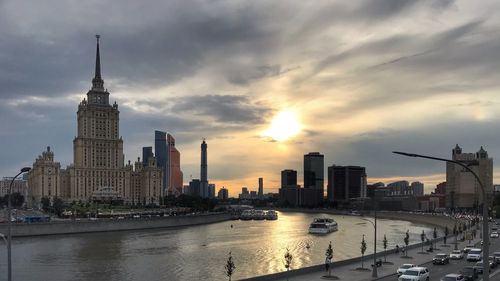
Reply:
x=404 y=267
x=474 y=254
x=441 y=259
x=468 y=248
x=453 y=277
x=494 y=234
x=469 y=273
x=497 y=257
x=415 y=274
x=456 y=255
x=493 y=261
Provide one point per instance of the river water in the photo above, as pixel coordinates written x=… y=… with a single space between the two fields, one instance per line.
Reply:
x=197 y=252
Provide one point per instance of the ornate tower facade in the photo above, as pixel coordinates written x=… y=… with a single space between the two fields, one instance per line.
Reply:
x=98 y=148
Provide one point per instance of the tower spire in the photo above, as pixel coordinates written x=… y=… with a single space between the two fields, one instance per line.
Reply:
x=97 y=82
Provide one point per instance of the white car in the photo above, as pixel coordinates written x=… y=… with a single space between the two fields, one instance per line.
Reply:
x=453 y=277
x=474 y=255
x=456 y=255
x=404 y=267
x=494 y=234
x=415 y=274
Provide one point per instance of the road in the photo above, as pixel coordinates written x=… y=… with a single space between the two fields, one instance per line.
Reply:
x=438 y=271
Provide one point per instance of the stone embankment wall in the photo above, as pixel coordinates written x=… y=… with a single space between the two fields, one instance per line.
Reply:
x=104 y=225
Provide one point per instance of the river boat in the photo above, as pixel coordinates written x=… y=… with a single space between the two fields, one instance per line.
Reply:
x=271 y=215
x=323 y=226
x=259 y=215
x=247 y=215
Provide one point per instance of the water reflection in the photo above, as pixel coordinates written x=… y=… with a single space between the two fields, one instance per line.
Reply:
x=196 y=253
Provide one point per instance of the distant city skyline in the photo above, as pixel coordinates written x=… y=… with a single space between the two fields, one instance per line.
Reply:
x=353 y=80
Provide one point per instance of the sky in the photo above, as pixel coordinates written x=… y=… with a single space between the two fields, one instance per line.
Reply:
x=265 y=82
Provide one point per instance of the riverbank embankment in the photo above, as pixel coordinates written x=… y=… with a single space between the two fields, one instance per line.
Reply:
x=107 y=225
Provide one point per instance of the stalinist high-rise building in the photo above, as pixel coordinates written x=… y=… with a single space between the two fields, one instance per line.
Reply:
x=98 y=172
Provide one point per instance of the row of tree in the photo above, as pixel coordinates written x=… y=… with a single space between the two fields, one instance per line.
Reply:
x=17 y=200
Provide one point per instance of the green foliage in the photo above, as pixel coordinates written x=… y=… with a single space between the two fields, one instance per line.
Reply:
x=195 y=202
x=288 y=259
x=407 y=238
x=229 y=267
x=329 y=251
x=363 y=246
x=58 y=206
x=45 y=202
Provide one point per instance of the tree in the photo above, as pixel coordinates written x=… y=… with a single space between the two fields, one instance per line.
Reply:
x=407 y=241
x=230 y=267
x=329 y=257
x=17 y=199
x=45 y=202
x=58 y=206
x=422 y=237
x=446 y=233
x=385 y=248
x=363 y=250
x=288 y=261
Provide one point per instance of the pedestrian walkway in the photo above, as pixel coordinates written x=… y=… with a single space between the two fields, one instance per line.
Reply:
x=349 y=271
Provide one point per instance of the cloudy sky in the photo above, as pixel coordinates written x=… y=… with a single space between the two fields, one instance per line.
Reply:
x=264 y=82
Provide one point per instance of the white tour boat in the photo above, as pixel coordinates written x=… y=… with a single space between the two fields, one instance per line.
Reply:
x=323 y=226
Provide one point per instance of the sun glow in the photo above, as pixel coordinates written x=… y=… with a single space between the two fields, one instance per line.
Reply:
x=283 y=126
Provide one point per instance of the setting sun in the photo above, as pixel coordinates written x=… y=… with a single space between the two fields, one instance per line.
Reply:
x=283 y=126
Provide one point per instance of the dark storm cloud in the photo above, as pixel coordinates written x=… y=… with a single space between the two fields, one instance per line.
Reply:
x=228 y=109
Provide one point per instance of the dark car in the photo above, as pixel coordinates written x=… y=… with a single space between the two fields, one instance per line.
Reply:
x=441 y=259
x=470 y=273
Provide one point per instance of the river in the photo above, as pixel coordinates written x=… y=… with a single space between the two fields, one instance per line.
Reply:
x=196 y=252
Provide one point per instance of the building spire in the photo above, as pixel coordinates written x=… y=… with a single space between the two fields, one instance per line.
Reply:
x=97 y=82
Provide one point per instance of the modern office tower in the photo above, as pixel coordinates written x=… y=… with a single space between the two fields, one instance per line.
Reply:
x=346 y=182
x=147 y=152
x=288 y=178
x=98 y=165
x=211 y=190
x=400 y=188
x=162 y=155
x=417 y=188
x=462 y=188
x=440 y=188
x=203 y=171
x=261 y=187
x=245 y=194
x=223 y=193
x=313 y=191
x=174 y=173
x=194 y=187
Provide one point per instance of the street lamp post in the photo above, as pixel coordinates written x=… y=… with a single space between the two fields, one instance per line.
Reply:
x=374 y=270
x=486 y=237
x=9 y=226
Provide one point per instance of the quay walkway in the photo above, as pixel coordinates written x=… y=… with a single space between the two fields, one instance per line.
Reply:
x=349 y=269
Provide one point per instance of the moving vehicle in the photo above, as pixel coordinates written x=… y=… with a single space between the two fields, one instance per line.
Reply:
x=497 y=257
x=494 y=234
x=453 y=277
x=404 y=267
x=456 y=255
x=468 y=248
x=323 y=226
x=474 y=254
x=441 y=259
x=415 y=274
x=469 y=273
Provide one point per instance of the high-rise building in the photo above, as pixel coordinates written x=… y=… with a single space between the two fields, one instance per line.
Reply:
x=223 y=193
x=203 y=171
x=19 y=185
x=174 y=173
x=440 y=188
x=211 y=190
x=194 y=187
x=245 y=194
x=261 y=187
x=288 y=178
x=417 y=188
x=462 y=188
x=161 y=156
x=346 y=182
x=313 y=192
x=400 y=188
x=98 y=165
x=147 y=152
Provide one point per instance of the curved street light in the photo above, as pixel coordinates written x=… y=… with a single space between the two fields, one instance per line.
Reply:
x=9 y=225
x=486 y=237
